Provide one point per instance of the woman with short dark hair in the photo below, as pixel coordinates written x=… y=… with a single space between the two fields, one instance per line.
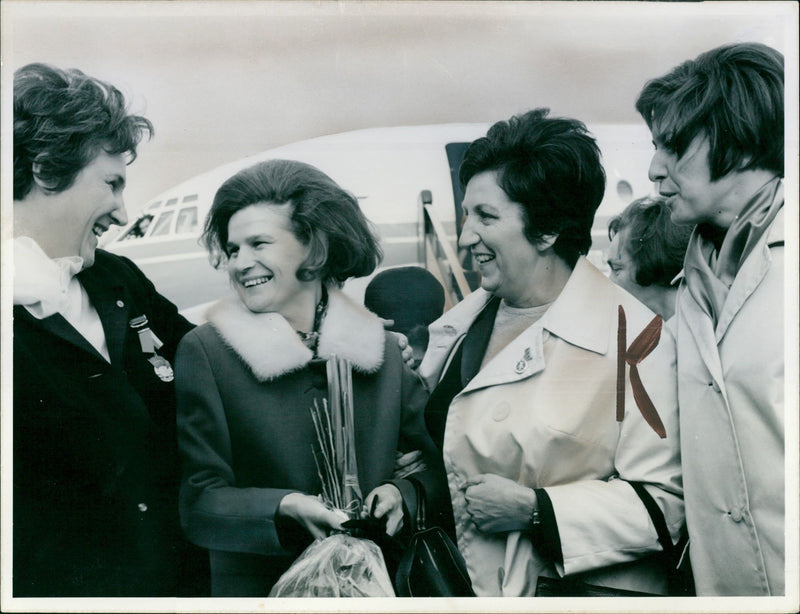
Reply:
x=246 y=380
x=526 y=384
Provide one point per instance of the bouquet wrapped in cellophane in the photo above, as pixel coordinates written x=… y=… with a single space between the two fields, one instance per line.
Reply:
x=340 y=565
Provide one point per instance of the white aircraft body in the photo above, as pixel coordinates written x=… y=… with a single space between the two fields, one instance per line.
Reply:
x=387 y=169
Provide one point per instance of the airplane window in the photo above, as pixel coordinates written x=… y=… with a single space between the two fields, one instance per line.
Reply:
x=138 y=230
x=190 y=199
x=152 y=206
x=171 y=202
x=187 y=220
x=162 y=224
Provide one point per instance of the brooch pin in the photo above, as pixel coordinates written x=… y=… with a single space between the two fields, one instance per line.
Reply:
x=150 y=344
x=522 y=364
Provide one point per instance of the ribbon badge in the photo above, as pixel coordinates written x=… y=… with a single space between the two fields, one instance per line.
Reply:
x=633 y=355
x=150 y=344
x=522 y=364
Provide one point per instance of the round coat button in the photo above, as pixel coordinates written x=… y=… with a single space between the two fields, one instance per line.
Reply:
x=142 y=507
x=120 y=304
x=736 y=515
x=501 y=411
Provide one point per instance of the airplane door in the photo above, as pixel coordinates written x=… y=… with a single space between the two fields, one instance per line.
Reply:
x=455 y=154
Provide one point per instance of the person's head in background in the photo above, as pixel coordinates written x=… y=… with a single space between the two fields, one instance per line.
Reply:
x=717 y=125
x=646 y=253
x=411 y=297
x=73 y=138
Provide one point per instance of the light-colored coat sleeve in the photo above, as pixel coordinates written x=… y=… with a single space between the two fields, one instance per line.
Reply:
x=601 y=523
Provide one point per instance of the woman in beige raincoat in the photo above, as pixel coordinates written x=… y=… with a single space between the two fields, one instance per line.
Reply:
x=718 y=127
x=539 y=448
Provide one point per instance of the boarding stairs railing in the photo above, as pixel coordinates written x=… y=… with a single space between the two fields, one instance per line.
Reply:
x=439 y=256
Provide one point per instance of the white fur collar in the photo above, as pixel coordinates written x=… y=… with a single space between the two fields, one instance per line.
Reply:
x=269 y=345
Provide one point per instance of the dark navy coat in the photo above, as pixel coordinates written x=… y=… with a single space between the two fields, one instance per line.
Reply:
x=95 y=453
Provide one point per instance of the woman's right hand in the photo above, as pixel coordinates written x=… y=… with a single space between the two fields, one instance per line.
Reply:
x=311 y=513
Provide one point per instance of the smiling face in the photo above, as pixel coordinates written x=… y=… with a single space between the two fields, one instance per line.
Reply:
x=494 y=232
x=78 y=216
x=263 y=259
x=692 y=197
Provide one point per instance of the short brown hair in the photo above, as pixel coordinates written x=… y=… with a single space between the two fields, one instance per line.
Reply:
x=324 y=216
x=733 y=95
x=551 y=166
x=62 y=121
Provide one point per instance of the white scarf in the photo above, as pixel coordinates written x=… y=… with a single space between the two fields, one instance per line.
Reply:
x=46 y=286
x=42 y=283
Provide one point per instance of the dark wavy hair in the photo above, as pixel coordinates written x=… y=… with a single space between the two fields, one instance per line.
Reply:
x=550 y=166
x=733 y=95
x=655 y=244
x=324 y=216
x=62 y=120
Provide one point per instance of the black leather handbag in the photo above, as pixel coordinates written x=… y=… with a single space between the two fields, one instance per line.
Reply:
x=431 y=566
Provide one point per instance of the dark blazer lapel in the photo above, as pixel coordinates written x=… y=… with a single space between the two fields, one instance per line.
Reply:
x=476 y=341
x=112 y=303
x=58 y=326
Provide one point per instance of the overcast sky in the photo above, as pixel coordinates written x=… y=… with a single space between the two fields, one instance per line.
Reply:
x=224 y=80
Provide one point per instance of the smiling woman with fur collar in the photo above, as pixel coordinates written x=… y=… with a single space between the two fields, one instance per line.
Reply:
x=247 y=379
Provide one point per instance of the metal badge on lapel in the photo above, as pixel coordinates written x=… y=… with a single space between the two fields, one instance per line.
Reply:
x=523 y=362
x=162 y=368
x=150 y=343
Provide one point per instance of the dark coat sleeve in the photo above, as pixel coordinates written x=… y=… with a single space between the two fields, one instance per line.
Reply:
x=215 y=513
x=414 y=436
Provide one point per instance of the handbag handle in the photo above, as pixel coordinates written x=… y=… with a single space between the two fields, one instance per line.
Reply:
x=657 y=516
x=679 y=577
x=419 y=521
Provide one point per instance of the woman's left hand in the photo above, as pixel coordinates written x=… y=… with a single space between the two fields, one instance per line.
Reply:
x=402 y=342
x=390 y=505
x=496 y=504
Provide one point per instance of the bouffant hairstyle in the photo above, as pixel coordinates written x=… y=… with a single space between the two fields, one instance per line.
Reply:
x=323 y=216
x=552 y=168
x=733 y=95
x=62 y=120
x=655 y=244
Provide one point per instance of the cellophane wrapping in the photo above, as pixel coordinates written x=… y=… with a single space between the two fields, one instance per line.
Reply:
x=338 y=566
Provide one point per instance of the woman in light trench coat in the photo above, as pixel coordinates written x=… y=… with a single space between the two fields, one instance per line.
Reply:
x=524 y=373
x=723 y=176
